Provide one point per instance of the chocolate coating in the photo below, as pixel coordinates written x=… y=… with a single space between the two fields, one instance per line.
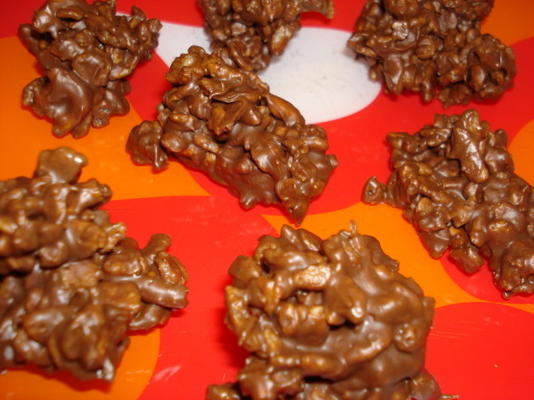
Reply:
x=455 y=182
x=248 y=33
x=430 y=46
x=328 y=320
x=71 y=283
x=86 y=52
x=224 y=122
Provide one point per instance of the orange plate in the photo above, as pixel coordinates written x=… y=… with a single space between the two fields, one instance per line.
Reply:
x=480 y=346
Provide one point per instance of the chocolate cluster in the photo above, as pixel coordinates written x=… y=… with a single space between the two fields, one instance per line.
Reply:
x=86 y=52
x=430 y=46
x=455 y=182
x=224 y=122
x=327 y=320
x=71 y=283
x=248 y=33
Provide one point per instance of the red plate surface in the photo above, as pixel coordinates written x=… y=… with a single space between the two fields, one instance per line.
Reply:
x=480 y=346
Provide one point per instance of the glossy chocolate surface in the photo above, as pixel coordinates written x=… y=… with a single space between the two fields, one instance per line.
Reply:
x=249 y=33
x=455 y=182
x=433 y=47
x=326 y=319
x=225 y=122
x=86 y=53
x=71 y=283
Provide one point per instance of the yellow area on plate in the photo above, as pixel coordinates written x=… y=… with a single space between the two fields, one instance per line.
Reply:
x=522 y=150
x=23 y=136
x=133 y=375
x=510 y=20
x=400 y=241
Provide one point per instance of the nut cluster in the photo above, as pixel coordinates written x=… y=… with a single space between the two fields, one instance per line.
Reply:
x=426 y=46
x=455 y=181
x=86 y=52
x=225 y=122
x=328 y=320
x=248 y=33
x=71 y=283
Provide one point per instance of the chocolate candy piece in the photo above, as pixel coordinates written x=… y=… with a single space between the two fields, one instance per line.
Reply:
x=425 y=46
x=328 y=319
x=86 y=52
x=248 y=33
x=225 y=122
x=455 y=182
x=71 y=283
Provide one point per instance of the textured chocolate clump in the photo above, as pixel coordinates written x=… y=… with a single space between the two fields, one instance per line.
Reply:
x=327 y=320
x=71 y=283
x=455 y=182
x=248 y=33
x=225 y=122
x=426 y=46
x=86 y=52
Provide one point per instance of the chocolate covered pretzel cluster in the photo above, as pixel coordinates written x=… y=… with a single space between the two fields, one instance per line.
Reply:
x=224 y=122
x=455 y=182
x=86 y=52
x=249 y=33
x=327 y=320
x=71 y=283
x=431 y=46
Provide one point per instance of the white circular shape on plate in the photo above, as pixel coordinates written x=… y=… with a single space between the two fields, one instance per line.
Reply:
x=317 y=72
x=319 y=75
x=175 y=39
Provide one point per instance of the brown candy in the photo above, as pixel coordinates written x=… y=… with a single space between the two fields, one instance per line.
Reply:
x=86 y=52
x=225 y=122
x=248 y=33
x=327 y=320
x=430 y=46
x=71 y=283
x=455 y=182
